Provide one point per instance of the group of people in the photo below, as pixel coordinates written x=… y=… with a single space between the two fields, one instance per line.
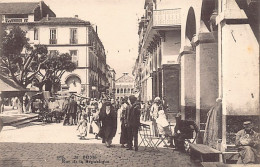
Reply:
x=100 y=118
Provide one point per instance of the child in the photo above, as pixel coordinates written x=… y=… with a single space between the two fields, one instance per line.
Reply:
x=83 y=127
x=163 y=127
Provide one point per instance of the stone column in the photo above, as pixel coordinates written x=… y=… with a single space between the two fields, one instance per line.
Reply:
x=206 y=75
x=239 y=68
x=188 y=83
x=170 y=73
x=154 y=84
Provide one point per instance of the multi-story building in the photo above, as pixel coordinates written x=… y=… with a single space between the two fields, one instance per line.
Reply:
x=63 y=35
x=218 y=59
x=111 y=76
x=124 y=86
x=157 y=68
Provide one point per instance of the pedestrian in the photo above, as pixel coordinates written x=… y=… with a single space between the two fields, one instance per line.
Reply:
x=142 y=110
x=73 y=111
x=164 y=127
x=83 y=127
x=108 y=119
x=1 y=104
x=124 y=110
x=154 y=114
x=25 y=103
x=65 y=109
x=133 y=122
x=14 y=103
x=95 y=123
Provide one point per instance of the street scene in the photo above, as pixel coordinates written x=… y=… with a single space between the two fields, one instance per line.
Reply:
x=129 y=83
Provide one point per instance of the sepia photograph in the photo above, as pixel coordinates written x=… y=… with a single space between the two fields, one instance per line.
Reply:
x=129 y=83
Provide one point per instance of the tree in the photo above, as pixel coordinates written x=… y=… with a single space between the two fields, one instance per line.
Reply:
x=53 y=69
x=23 y=62
x=19 y=60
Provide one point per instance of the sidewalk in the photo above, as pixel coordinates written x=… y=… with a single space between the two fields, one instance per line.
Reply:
x=10 y=116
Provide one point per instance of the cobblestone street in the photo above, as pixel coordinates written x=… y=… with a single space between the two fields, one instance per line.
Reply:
x=61 y=154
x=54 y=145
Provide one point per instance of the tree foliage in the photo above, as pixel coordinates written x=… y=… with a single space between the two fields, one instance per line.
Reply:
x=23 y=62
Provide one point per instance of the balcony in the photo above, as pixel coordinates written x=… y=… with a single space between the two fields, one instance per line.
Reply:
x=73 y=41
x=167 y=18
x=53 y=41
x=162 y=20
x=15 y=20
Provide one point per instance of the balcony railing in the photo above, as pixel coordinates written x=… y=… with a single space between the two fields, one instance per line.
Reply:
x=167 y=17
x=73 y=41
x=15 y=20
x=53 y=41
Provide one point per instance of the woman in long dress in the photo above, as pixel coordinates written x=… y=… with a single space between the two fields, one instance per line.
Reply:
x=95 y=123
x=108 y=118
x=83 y=127
x=123 y=118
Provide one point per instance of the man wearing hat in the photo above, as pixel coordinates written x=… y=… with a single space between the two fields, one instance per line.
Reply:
x=248 y=143
x=133 y=122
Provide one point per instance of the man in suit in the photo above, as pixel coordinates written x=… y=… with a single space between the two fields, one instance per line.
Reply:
x=133 y=122
x=73 y=110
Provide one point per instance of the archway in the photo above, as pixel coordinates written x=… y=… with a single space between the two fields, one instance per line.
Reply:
x=74 y=83
x=188 y=69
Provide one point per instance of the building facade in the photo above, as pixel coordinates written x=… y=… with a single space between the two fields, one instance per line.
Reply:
x=217 y=58
x=63 y=35
x=111 y=76
x=124 y=86
x=157 y=69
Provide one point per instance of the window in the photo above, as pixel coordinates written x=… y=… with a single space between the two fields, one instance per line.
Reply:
x=73 y=36
x=117 y=90
x=128 y=90
x=121 y=91
x=125 y=90
x=53 y=36
x=74 y=56
x=36 y=34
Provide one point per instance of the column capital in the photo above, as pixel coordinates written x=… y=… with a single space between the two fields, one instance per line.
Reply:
x=186 y=50
x=236 y=16
x=204 y=37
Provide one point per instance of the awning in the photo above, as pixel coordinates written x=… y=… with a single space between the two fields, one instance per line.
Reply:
x=9 y=88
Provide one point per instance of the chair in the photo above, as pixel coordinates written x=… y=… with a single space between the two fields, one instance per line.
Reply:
x=147 y=138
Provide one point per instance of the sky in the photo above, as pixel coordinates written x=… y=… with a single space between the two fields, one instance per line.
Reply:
x=117 y=25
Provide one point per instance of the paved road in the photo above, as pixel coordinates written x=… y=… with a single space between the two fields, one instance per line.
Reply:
x=51 y=145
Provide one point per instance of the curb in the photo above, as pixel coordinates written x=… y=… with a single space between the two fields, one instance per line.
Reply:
x=20 y=120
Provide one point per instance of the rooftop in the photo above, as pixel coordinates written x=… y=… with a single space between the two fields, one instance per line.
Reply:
x=18 y=7
x=125 y=79
x=62 y=20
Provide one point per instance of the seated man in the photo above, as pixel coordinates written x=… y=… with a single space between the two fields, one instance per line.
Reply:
x=163 y=127
x=248 y=144
x=183 y=130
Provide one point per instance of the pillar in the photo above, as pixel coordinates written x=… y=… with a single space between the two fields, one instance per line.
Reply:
x=188 y=83
x=206 y=75
x=170 y=73
x=239 y=68
x=154 y=80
